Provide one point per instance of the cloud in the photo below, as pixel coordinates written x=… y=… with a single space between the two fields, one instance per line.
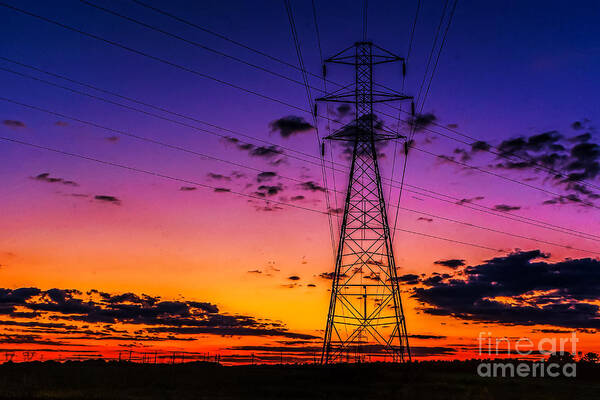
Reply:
x=298 y=198
x=11 y=123
x=112 y=139
x=506 y=208
x=269 y=190
x=469 y=200
x=270 y=153
x=61 y=123
x=255 y=271
x=107 y=199
x=290 y=125
x=312 y=186
x=221 y=190
x=330 y=275
x=344 y=110
x=452 y=263
x=427 y=337
x=577 y=125
x=539 y=292
x=425 y=219
x=187 y=188
x=218 y=177
x=131 y=315
x=294 y=278
x=265 y=176
x=422 y=121
x=45 y=177
x=409 y=279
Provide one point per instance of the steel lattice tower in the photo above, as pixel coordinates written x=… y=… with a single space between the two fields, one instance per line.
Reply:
x=365 y=311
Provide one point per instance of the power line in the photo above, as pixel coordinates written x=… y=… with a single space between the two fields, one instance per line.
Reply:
x=164 y=176
x=264 y=69
x=316 y=23
x=235 y=132
x=193 y=43
x=410 y=42
x=279 y=60
x=433 y=46
x=203 y=155
x=439 y=53
x=497 y=231
x=155 y=58
x=290 y=14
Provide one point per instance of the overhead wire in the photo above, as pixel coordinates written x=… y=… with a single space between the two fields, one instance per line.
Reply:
x=290 y=14
x=235 y=132
x=196 y=183
x=283 y=62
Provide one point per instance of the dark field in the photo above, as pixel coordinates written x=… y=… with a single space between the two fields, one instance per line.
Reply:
x=427 y=380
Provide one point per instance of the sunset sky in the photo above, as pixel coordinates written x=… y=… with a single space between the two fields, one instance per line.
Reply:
x=202 y=254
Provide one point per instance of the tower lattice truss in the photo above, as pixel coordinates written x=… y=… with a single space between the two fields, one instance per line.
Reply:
x=365 y=313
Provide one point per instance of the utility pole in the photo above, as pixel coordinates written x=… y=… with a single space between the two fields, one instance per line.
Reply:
x=365 y=256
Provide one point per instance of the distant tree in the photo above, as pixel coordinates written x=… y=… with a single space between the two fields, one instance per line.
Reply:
x=591 y=358
x=561 y=358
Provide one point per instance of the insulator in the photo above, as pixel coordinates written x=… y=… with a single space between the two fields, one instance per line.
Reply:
x=406 y=148
x=315 y=110
x=412 y=108
x=403 y=68
x=322 y=149
x=324 y=70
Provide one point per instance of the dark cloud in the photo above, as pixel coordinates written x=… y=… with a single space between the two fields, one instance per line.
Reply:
x=265 y=176
x=577 y=125
x=13 y=123
x=112 y=139
x=336 y=211
x=312 y=186
x=480 y=145
x=255 y=271
x=422 y=121
x=452 y=263
x=45 y=177
x=269 y=190
x=290 y=125
x=187 y=188
x=425 y=219
x=343 y=110
x=506 y=208
x=270 y=153
x=105 y=313
x=221 y=190
x=294 y=278
x=584 y=137
x=427 y=337
x=469 y=200
x=409 y=279
x=218 y=177
x=464 y=154
x=329 y=275
x=298 y=198
x=107 y=199
x=311 y=285
x=559 y=294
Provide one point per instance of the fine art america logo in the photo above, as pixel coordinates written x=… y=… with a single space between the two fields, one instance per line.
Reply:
x=560 y=361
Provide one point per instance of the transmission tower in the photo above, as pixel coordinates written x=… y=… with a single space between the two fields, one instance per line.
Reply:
x=365 y=312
